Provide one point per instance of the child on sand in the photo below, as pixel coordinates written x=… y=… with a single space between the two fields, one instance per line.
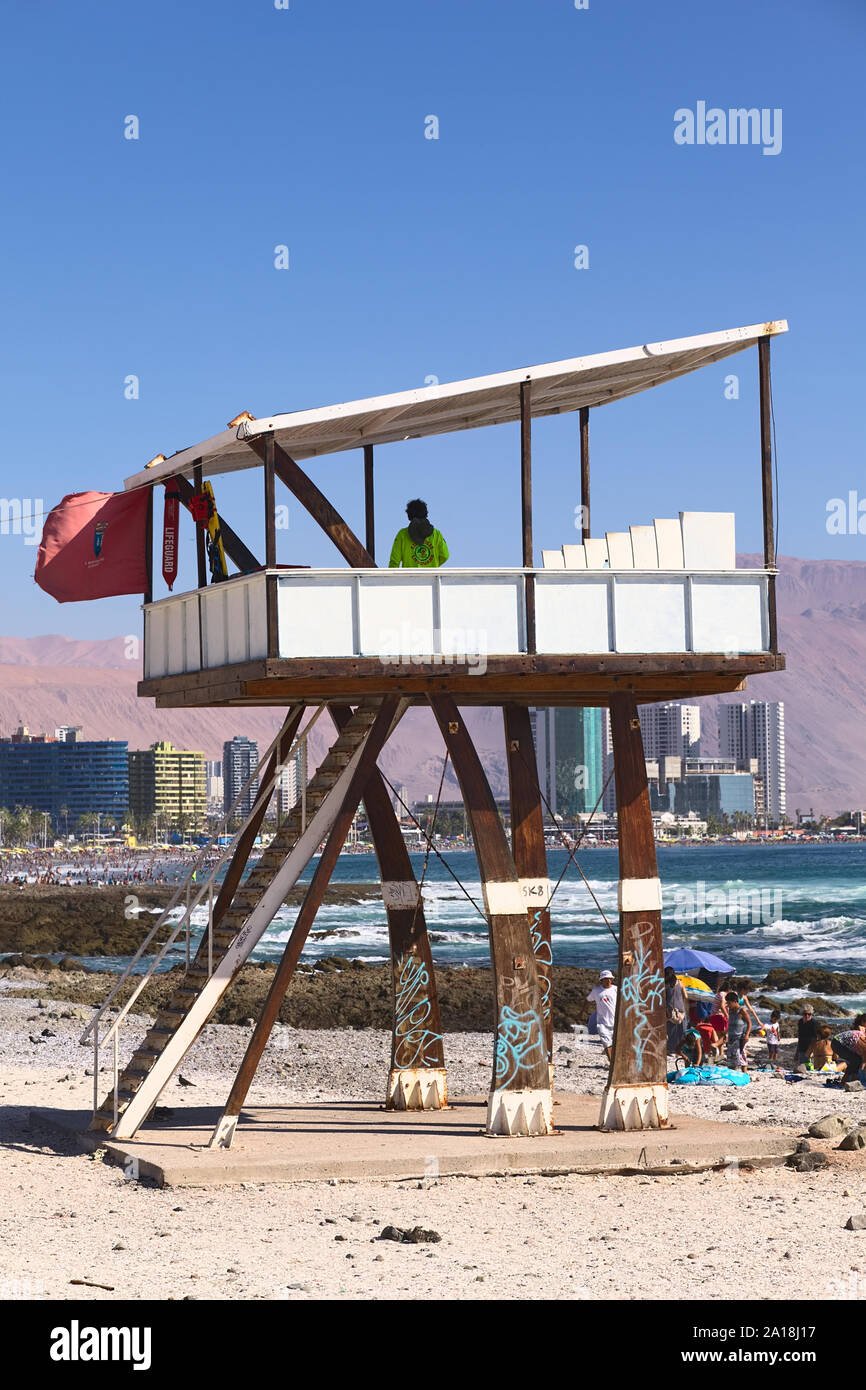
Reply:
x=773 y=1035
x=690 y=1048
x=739 y=1031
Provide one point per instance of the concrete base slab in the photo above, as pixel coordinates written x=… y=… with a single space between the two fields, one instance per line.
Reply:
x=358 y=1140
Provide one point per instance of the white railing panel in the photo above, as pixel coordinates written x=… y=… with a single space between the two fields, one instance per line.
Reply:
x=728 y=615
x=650 y=616
x=214 y=635
x=316 y=615
x=571 y=613
x=397 y=614
x=482 y=614
x=430 y=612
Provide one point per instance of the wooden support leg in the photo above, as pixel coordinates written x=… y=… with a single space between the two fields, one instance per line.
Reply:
x=225 y=1129
x=636 y=1095
x=520 y=1098
x=417 y=1079
x=527 y=846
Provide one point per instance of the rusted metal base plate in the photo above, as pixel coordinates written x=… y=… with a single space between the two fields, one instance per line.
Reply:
x=357 y=1140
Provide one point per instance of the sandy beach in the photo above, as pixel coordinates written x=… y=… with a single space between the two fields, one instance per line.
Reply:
x=68 y=1216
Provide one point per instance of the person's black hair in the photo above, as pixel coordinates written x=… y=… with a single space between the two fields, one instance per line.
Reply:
x=732 y=994
x=860 y=1020
x=419 y=528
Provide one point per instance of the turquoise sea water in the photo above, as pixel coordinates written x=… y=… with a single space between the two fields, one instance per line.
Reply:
x=756 y=906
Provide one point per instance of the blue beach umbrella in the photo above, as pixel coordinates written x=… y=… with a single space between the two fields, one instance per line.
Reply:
x=684 y=958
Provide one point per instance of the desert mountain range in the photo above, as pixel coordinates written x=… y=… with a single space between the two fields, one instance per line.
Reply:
x=53 y=680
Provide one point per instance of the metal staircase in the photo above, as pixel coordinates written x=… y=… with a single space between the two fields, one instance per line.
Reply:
x=228 y=942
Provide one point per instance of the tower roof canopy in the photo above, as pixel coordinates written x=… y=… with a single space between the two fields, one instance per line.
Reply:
x=557 y=388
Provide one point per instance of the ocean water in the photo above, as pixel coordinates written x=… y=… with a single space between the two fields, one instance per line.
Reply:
x=756 y=906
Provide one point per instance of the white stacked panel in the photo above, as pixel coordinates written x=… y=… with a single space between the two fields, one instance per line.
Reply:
x=708 y=540
x=619 y=553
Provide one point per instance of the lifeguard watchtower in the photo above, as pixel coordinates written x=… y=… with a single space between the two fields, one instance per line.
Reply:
x=656 y=612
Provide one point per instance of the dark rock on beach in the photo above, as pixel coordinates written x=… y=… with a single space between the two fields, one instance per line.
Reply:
x=808 y=1162
x=87 y=921
x=823 y=1008
x=821 y=981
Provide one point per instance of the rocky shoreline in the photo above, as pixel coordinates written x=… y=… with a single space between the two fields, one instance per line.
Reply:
x=81 y=921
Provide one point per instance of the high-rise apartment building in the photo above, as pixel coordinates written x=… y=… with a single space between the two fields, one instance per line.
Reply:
x=65 y=778
x=213 y=781
x=568 y=750
x=671 y=730
x=755 y=729
x=291 y=782
x=167 y=783
x=240 y=759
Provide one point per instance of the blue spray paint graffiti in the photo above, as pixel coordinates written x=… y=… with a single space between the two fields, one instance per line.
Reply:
x=412 y=1038
x=642 y=990
x=518 y=1044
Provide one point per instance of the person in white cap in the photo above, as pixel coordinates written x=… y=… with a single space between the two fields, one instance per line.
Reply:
x=603 y=996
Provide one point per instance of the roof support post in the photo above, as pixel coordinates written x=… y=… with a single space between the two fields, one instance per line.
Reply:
x=200 y=553
x=585 y=532
x=148 y=547
x=767 y=482
x=316 y=503
x=369 y=503
x=270 y=506
x=271 y=618
x=636 y=1093
x=526 y=506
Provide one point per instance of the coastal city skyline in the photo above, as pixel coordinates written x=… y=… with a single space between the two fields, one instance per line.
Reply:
x=740 y=789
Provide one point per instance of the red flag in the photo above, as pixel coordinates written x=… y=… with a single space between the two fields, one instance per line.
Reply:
x=93 y=546
x=169 y=532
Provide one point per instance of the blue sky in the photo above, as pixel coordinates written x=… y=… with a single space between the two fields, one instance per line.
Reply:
x=412 y=257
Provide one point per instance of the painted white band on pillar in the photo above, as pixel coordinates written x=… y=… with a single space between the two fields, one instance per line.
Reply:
x=401 y=893
x=503 y=899
x=536 y=891
x=640 y=895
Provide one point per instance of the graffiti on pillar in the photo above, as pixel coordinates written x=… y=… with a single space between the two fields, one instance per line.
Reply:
x=642 y=991
x=413 y=1040
x=544 y=956
x=518 y=1045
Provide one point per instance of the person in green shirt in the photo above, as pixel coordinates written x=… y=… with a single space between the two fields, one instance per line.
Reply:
x=419 y=545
